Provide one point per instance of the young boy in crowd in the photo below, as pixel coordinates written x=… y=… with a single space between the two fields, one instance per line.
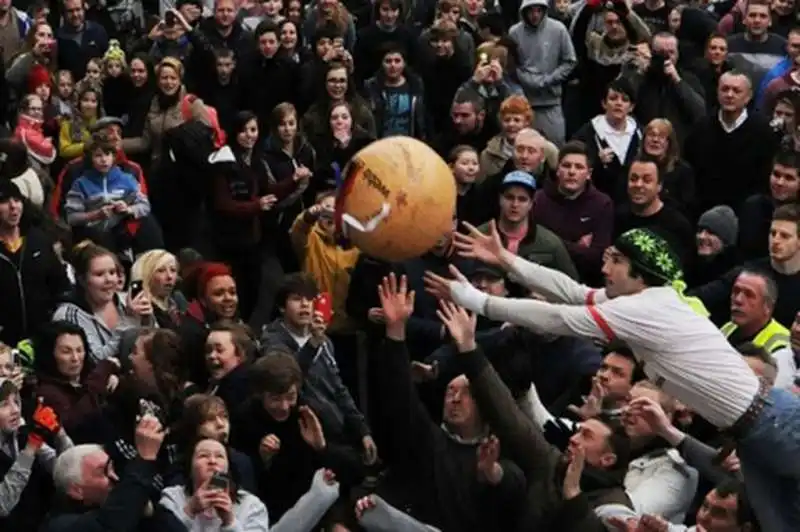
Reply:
x=103 y=197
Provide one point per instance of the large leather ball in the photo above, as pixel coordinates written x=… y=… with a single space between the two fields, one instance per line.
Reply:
x=397 y=199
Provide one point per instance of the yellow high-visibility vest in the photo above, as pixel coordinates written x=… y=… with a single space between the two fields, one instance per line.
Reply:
x=772 y=337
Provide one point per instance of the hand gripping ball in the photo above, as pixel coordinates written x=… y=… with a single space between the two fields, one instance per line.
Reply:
x=397 y=199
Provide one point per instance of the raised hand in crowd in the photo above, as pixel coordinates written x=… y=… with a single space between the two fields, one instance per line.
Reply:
x=487 y=248
x=45 y=426
x=397 y=304
x=318 y=328
x=311 y=429
x=149 y=436
x=180 y=19
x=572 y=478
x=460 y=324
x=489 y=469
x=593 y=403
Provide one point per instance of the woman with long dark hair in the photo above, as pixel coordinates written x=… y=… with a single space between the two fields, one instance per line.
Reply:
x=241 y=203
x=154 y=384
x=336 y=86
x=68 y=380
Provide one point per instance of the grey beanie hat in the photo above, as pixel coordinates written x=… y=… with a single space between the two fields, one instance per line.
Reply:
x=721 y=221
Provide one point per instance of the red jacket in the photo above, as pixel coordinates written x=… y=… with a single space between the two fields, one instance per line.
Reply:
x=73 y=170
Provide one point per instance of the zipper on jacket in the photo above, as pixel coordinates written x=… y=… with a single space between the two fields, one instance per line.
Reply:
x=18 y=272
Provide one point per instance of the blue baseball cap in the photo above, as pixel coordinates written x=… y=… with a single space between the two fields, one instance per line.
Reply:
x=520 y=179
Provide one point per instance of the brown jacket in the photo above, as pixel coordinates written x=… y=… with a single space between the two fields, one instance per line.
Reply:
x=524 y=443
x=159 y=121
x=75 y=403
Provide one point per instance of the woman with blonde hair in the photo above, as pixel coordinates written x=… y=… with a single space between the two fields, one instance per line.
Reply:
x=661 y=143
x=157 y=270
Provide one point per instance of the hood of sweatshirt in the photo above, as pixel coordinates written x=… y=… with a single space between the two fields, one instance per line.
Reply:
x=527 y=4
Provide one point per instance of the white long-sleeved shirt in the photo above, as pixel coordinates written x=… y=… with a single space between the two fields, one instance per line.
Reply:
x=787 y=368
x=682 y=352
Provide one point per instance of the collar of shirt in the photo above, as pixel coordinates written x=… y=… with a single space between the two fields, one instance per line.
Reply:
x=736 y=123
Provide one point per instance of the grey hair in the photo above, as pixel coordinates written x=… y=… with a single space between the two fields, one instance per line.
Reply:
x=770 y=286
x=69 y=465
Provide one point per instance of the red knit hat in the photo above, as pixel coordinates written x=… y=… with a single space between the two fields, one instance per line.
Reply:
x=39 y=75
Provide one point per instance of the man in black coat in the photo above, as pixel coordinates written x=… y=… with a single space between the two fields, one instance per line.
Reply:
x=85 y=477
x=32 y=279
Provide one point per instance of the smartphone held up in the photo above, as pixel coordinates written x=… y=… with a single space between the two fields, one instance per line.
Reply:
x=324 y=305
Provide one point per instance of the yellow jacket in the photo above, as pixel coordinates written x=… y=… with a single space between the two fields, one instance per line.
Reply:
x=772 y=337
x=67 y=147
x=328 y=264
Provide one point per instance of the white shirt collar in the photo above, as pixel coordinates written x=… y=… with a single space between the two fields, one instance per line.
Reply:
x=736 y=124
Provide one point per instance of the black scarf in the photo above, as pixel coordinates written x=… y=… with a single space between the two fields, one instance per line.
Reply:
x=165 y=101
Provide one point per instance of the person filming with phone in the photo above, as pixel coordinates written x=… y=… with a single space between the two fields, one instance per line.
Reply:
x=304 y=317
x=663 y=89
x=329 y=263
x=213 y=499
x=92 y=495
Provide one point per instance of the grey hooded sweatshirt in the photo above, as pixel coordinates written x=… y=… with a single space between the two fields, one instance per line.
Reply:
x=546 y=56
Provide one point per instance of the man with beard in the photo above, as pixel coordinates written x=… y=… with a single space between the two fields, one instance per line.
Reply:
x=467 y=124
x=30 y=293
x=79 y=39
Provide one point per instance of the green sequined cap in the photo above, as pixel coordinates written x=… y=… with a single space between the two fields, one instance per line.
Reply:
x=652 y=254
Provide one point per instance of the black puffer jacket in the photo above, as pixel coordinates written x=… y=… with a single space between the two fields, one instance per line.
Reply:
x=32 y=282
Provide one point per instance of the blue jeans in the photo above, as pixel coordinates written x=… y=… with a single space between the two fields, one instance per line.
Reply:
x=770 y=460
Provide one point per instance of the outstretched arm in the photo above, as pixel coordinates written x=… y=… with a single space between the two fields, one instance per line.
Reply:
x=555 y=285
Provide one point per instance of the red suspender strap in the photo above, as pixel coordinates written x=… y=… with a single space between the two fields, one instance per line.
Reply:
x=590 y=297
x=601 y=322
